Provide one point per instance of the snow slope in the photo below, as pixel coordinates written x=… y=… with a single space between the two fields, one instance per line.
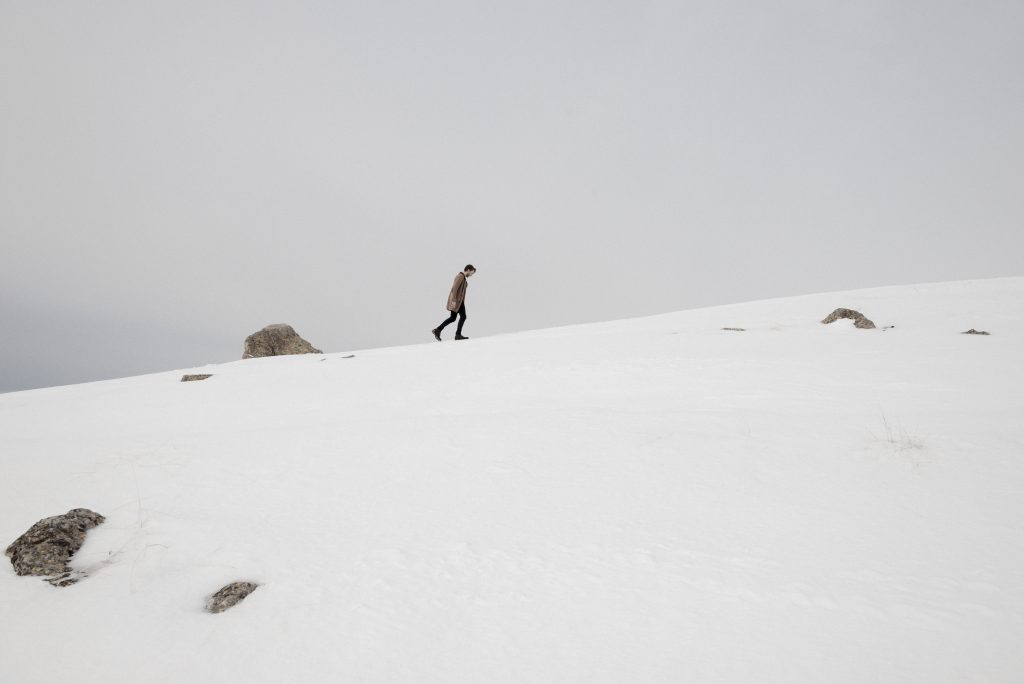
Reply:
x=652 y=500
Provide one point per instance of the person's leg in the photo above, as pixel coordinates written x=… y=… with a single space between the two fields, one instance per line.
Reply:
x=450 y=319
x=462 y=319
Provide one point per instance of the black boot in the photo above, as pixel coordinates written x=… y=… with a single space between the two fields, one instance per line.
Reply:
x=437 y=334
x=460 y=336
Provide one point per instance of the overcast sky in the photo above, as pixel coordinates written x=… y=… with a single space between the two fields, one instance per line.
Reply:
x=176 y=175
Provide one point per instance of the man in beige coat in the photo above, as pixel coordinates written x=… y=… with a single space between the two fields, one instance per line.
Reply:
x=457 y=303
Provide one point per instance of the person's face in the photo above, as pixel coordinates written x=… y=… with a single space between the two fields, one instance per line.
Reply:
x=470 y=274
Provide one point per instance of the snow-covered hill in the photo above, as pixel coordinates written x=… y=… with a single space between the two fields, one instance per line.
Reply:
x=652 y=500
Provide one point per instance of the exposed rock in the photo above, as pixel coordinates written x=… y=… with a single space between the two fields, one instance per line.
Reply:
x=229 y=595
x=736 y=329
x=197 y=376
x=276 y=340
x=972 y=331
x=859 y=320
x=49 y=544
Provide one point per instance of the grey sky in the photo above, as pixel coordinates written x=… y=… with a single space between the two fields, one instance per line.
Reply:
x=176 y=175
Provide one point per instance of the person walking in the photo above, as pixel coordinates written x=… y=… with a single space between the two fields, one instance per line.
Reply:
x=457 y=303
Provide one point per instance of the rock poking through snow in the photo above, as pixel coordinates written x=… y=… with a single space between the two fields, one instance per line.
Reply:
x=276 y=340
x=197 y=376
x=972 y=331
x=859 y=320
x=229 y=595
x=49 y=544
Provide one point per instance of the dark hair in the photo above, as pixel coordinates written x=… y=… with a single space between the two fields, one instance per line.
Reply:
x=469 y=267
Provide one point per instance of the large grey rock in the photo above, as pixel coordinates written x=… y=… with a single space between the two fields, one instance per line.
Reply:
x=49 y=544
x=276 y=340
x=859 y=320
x=229 y=595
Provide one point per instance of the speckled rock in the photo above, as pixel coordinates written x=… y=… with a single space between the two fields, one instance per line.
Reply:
x=859 y=320
x=229 y=595
x=49 y=544
x=195 y=377
x=972 y=331
x=276 y=340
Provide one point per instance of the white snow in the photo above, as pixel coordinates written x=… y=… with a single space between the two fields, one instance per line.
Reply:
x=651 y=500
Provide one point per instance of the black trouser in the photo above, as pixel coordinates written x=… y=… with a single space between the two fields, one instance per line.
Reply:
x=461 y=313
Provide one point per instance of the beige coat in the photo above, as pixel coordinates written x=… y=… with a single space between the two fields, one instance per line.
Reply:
x=458 y=294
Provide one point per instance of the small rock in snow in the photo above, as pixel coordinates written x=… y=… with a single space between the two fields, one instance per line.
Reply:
x=972 y=331
x=229 y=595
x=859 y=320
x=49 y=544
x=197 y=376
x=276 y=340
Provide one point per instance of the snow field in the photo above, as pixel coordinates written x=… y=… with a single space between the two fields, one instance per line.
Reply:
x=645 y=500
